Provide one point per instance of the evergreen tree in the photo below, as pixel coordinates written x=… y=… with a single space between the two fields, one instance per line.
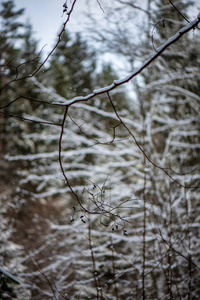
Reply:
x=72 y=65
x=10 y=33
x=13 y=57
x=18 y=60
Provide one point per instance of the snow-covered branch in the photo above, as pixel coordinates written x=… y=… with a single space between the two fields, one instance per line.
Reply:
x=192 y=25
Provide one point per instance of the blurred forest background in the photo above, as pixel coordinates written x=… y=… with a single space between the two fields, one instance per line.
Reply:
x=125 y=222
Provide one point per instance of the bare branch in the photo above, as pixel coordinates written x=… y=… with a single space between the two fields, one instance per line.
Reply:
x=100 y=6
x=179 y=11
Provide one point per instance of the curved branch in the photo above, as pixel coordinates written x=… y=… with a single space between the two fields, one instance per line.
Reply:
x=179 y=11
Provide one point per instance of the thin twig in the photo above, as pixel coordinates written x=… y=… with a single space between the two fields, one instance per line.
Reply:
x=179 y=11
x=100 y=6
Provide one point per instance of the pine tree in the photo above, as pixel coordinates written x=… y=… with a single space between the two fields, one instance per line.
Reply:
x=12 y=141
x=10 y=32
x=73 y=65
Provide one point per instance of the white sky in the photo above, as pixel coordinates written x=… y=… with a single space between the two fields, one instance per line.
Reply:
x=46 y=18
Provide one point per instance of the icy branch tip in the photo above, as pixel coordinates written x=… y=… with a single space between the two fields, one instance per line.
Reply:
x=198 y=17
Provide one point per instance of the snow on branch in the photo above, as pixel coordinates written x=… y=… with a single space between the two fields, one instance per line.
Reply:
x=116 y=83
